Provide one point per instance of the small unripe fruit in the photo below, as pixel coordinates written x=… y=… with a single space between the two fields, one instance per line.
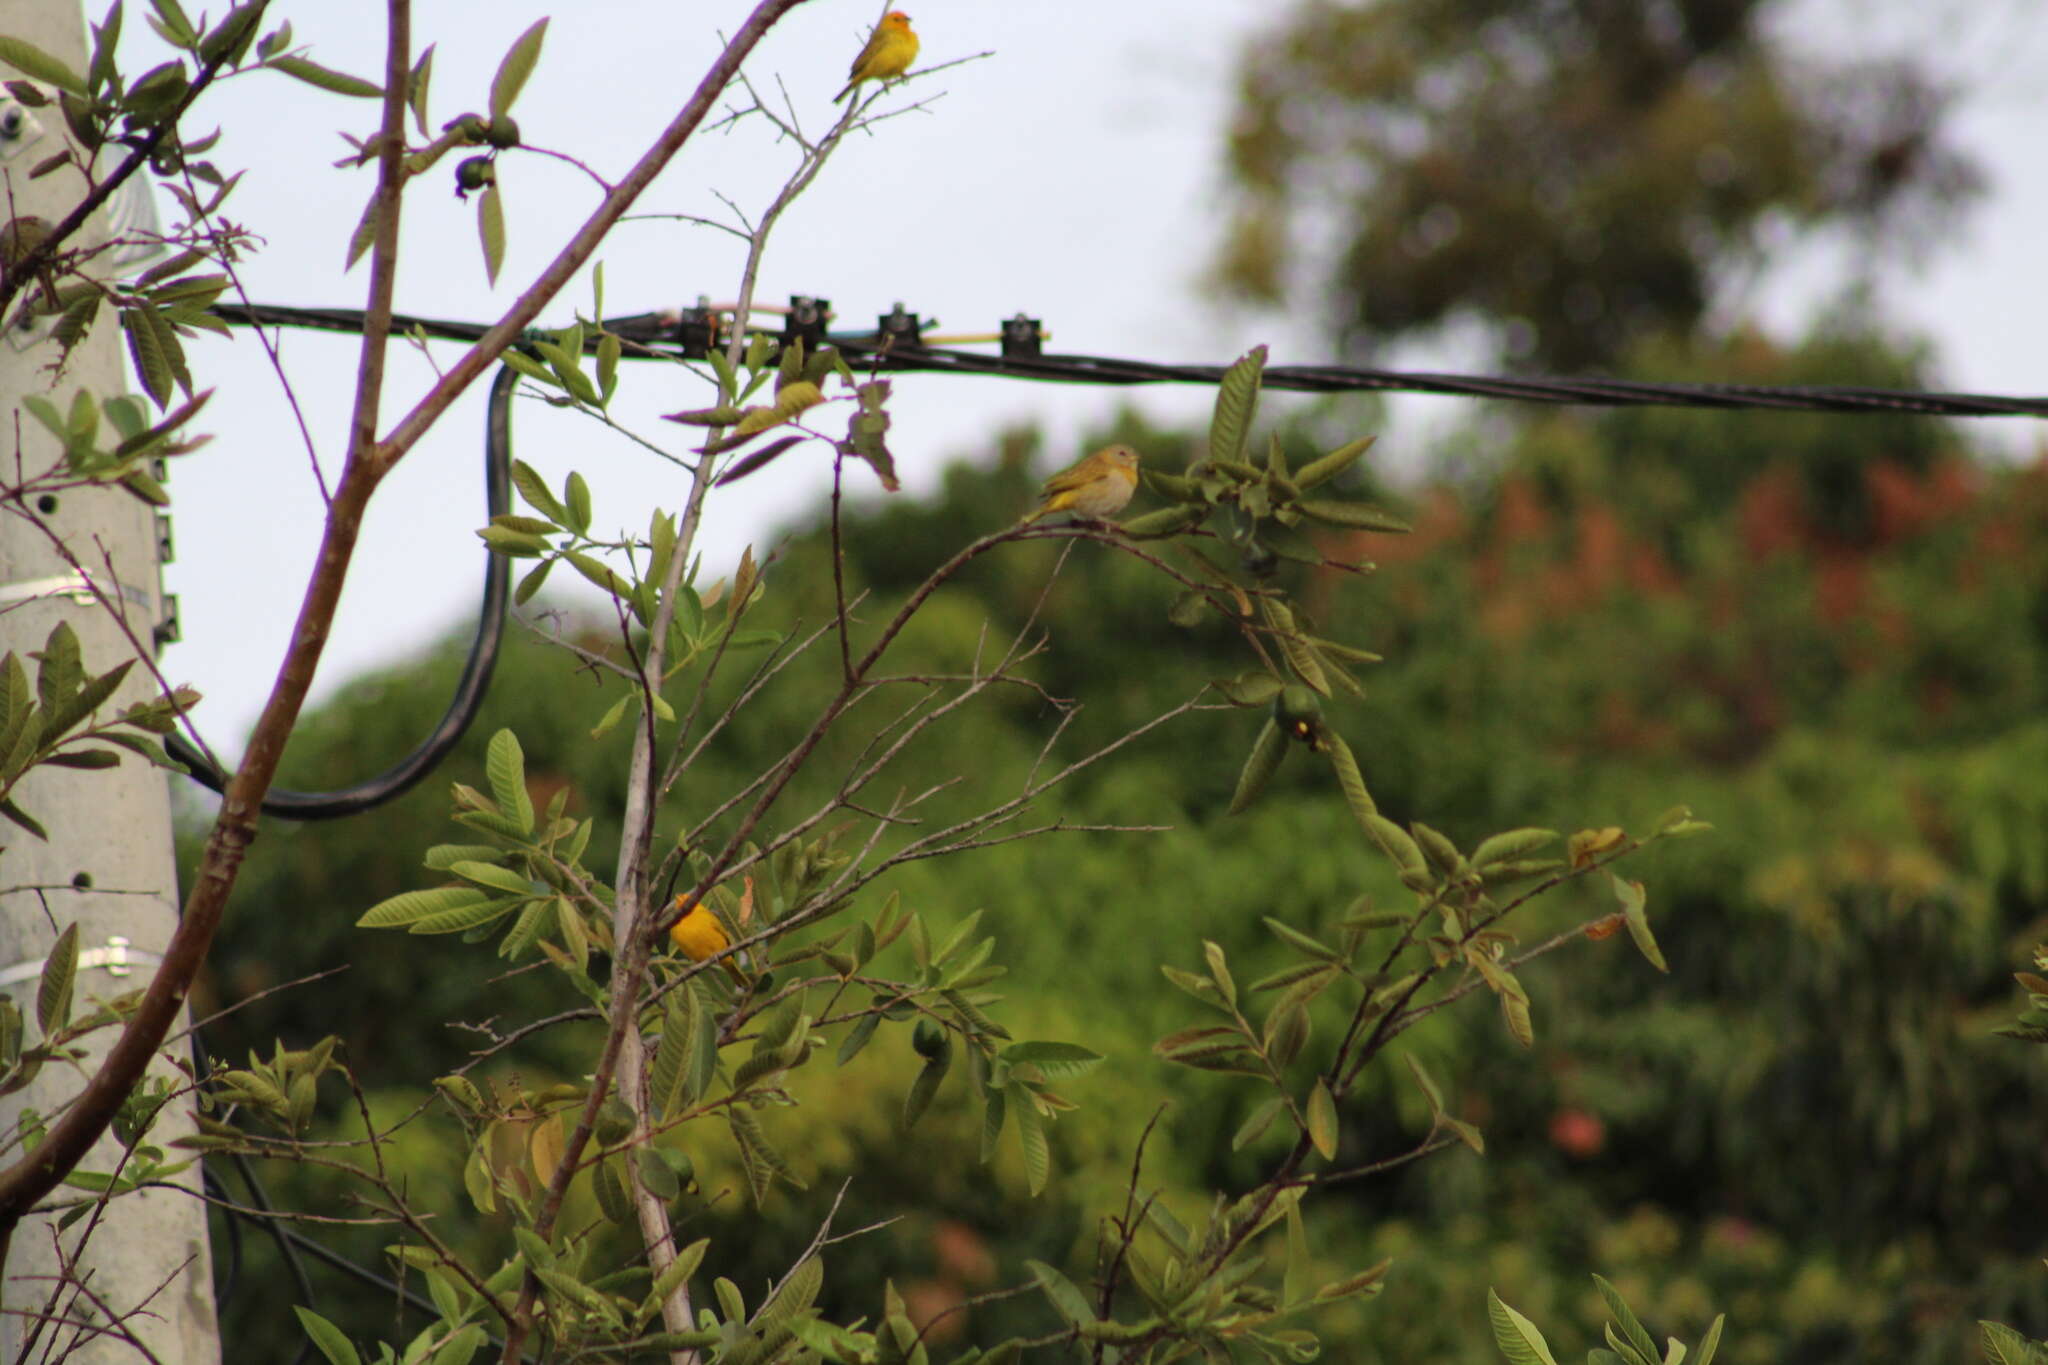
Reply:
x=1298 y=712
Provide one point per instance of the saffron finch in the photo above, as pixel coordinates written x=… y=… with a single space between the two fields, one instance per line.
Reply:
x=700 y=935
x=891 y=48
x=1095 y=487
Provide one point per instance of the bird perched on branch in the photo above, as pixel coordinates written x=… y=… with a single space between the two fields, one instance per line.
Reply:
x=1095 y=487
x=889 y=52
x=699 y=935
x=891 y=48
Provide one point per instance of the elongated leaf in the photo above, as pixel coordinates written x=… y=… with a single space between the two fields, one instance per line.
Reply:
x=490 y=229
x=327 y=1337
x=327 y=78
x=1514 y=843
x=1624 y=1317
x=1237 y=399
x=1329 y=466
x=60 y=974
x=517 y=66
x=1358 y=516
x=1634 y=906
x=505 y=765
x=1069 y=1302
x=467 y=917
x=1322 y=1120
x=409 y=907
x=1349 y=779
x=1264 y=760
x=1255 y=688
x=146 y=350
x=33 y=62
x=1031 y=1137
x=1056 y=1061
x=1516 y=1336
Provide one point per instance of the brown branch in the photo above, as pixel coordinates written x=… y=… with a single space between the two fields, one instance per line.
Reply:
x=72 y=1136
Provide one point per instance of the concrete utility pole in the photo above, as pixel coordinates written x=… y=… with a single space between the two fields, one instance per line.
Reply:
x=108 y=864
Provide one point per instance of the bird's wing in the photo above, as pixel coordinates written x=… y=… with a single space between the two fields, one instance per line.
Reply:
x=1069 y=479
x=866 y=54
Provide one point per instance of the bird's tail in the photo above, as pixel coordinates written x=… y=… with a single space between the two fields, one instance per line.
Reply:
x=844 y=93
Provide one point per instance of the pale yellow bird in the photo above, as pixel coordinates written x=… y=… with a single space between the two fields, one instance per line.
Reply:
x=1095 y=487
x=891 y=48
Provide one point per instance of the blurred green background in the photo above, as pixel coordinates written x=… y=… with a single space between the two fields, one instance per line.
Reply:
x=1829 y=636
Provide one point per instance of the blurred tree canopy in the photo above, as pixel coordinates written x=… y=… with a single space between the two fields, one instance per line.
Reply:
x=1573 y=176
x=1857 y=710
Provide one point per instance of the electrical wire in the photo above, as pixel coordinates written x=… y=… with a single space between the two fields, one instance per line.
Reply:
x=655 y=335
x=469 y=688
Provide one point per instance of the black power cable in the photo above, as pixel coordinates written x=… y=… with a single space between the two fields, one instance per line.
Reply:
x=469 y=689
x=657 y=335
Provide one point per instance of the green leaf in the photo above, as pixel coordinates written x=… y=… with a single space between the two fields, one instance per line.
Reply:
x=1711 y=1342
x=1219 y=970
x=1322 y=1120
x=1254 y=688
x=1367 y=1282
x=1056 y=1061
x=1428 y=1084
x=1639 y=1338
x=536 y=492
x=1329 y=466
x=326 y=78
x=1402 y=850
x=1634 y=909
x=1237 y=398
x=408 y=907
x=2003 y=1346
x=60 y=973
x=1031 y=1137
x=1300 y=655
x=327 y=1337
x=1357 y=516
x=1167 y=521
x=146 y=349
x=490 y=228
x=1349 y=779
x=517 y=66
x=1264 y=760
x=1067 y=1301
x=496 y=878
x=505 y=764
x=926 y=1084
x=668 y=1281
x=1295 y=938
x=37 y=64
x=464 y=918
x=1514 y=843
x=416 y=84
x=1516 y=1336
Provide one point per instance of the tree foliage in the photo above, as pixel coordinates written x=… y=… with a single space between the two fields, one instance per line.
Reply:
x=1571 y=176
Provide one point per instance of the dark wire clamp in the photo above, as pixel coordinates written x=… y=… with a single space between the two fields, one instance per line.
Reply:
x=805 y=322
x=1023 y=338
x=697 y=331
x=898 y=331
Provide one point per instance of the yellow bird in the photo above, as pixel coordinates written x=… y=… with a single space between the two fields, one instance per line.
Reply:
x=891 y=48
x=699 y=935
x=1095 y=488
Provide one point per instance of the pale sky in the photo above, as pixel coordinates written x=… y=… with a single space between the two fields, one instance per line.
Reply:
x=1072 y=175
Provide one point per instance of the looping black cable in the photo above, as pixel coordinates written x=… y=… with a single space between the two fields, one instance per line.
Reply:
x=469 y=689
